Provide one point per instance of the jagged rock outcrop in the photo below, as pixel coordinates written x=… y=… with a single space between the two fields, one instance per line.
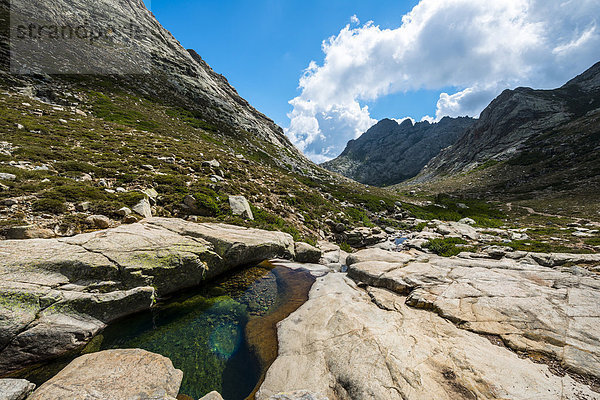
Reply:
x=56 y=294
x=390 y=153
x=413 y=325
x=535 y=125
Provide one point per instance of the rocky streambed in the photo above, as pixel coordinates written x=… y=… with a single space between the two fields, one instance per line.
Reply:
x=397 y=325
x=57 y=294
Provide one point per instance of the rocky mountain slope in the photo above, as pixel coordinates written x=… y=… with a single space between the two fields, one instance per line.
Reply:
x=390 y=153
x=533 y=139
x=151 y=62
x=147 y=130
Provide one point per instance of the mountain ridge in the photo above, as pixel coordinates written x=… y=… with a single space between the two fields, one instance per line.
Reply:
x=391 y=152
x=511 y=123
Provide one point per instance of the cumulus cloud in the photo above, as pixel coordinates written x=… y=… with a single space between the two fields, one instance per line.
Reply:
x=478 y=47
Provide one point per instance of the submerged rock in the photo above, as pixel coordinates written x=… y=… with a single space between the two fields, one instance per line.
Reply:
x=212 y=396
x=132 y=374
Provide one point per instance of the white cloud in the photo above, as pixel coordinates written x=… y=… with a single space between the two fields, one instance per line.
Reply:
x=479 y=47
x=354 y=19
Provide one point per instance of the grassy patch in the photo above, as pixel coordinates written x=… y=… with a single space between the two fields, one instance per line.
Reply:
x=110 y=111
x=452 y=209
x=448 y=247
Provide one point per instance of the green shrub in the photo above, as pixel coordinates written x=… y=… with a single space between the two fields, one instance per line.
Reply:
x=54 y=206
x=593 y=241
x=266 y=220
x=346 y=247
x=448 y=247
x=193 y=119
x=357 y=216
x=74 y=193
x=130 y=199
x=74 y=166
x=448 y=209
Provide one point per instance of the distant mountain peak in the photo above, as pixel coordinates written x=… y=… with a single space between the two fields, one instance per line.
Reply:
x=391 y=152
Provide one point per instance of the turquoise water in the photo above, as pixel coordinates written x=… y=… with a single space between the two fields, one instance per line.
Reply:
x=203 y=332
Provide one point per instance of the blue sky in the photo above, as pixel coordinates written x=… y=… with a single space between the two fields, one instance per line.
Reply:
x=262 y=47
x=422 y=59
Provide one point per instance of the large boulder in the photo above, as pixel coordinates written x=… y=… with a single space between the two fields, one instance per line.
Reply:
x=56 y=294
x=131 y=374
x=143 y=208
x=305 y=253
x=348 y=342
x=240 y=206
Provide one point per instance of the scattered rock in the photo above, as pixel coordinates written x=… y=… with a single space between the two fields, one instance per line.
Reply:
x=339 y=228
x=305 y=253
x=98 y=221
x=124 y=212
x=467 y=221
x=15 y=389
x=7 y=177
x=130 y=219
x=211 y=164
x=143 y=208
x=114 y=374
x=240 y=206
x=151 y=193
x=582 y=234
x=456 y=229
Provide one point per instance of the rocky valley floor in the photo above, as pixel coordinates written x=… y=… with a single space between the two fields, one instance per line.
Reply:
x=400 y=322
